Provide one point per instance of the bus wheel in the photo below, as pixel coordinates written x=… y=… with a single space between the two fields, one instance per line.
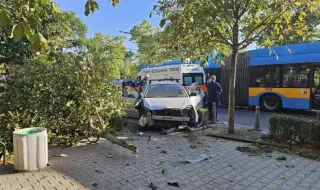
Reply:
x=270 y=102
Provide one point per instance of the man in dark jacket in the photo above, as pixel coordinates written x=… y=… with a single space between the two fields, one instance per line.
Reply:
x=214 y=91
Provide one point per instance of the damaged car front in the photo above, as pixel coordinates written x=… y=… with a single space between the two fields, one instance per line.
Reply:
x=166 y=104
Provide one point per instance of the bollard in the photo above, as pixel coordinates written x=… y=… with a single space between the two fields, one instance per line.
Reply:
x=3 y=153
x=318 y=114
x=257 y=119
x=214 y=110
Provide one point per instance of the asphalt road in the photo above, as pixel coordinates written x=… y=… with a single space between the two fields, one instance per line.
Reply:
x=245 y=117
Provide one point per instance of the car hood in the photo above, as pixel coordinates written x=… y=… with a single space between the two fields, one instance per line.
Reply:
x=166 y=103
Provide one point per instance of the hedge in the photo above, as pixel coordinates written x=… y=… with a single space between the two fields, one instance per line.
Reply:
x=289 y=128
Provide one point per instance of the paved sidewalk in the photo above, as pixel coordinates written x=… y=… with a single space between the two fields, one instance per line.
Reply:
x=107 y=166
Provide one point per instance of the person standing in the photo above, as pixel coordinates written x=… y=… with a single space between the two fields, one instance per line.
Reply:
x=214 y=91
x=144 y=81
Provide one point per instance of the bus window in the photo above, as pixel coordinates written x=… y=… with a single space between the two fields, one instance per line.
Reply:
x=295 y=76
x=265 y=76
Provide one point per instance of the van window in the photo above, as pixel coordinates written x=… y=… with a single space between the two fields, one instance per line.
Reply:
x=189 y=78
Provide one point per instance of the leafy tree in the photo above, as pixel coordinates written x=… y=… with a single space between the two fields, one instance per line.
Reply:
x=311 y=21
x=61 y=31
x=107 y=51
x=130 y=68
x=229 y=26
x=71 y=101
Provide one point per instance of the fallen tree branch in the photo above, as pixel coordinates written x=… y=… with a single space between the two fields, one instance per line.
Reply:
x=120 y=142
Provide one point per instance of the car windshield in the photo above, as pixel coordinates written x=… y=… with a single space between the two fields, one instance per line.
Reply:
x=165 y=90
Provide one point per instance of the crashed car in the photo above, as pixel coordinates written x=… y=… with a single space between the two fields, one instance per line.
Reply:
x=166 y=103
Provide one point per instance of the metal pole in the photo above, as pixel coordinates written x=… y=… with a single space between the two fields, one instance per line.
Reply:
x=3 y=152
x=214 y=111
x=257 y=119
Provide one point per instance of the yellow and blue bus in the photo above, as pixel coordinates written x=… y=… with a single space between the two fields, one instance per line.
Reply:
x=285 y=77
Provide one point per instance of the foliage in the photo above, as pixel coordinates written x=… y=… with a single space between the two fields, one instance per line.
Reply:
x=71 y=101
x=287 y=128
x=228 y=27
x=149 y=41
x=61 y=31
x=107 y=51
x=24 y=18
x=311 y=21
x=131 y=68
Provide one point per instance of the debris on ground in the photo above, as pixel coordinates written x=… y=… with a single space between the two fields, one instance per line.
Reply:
x=140 y=133
x=193 y=146
x=163 y=152
x=290 y=166
x=48 y=164
x=281 y=158
x=98 y=171
x=123 y=138
x=153 y=187
x=283 y=177
x=95 y=185
x=255 y=150
x=313 y=171
x=59 y=155
x=158 y=147
x=262 y=182
x=109 y=155
x=127 y=164
x=200 y=158
x=174 y=184
x=164 y=171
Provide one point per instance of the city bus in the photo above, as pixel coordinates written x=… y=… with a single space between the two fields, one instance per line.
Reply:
x=285 y=77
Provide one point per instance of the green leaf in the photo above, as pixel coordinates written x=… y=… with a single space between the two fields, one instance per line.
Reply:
x=4 y=18
x=17 y=32
x=162 y=22
x=115 y=2
x=39 y=43
x=93 y=5
x=87 y=8
x=28 y=32
x=56 y=7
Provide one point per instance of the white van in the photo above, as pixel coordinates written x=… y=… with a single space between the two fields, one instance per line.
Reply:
x=186 y=74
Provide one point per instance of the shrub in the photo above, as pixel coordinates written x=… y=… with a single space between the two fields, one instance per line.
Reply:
x=288 y=128
x=71 y=101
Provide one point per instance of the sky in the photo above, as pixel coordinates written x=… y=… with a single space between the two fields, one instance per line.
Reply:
x=109 y=19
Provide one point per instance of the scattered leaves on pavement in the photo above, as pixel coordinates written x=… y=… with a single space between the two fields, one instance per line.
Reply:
x=281 y=158
x=174 y=184
x=283 y=177
x=290 y=166
x=164 y=171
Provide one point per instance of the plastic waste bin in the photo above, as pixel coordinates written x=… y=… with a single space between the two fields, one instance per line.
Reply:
x=30 y=147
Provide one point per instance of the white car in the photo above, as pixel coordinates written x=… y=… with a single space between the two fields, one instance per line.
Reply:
x=167 y=103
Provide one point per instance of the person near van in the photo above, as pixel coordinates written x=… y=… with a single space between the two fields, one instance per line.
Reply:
x=214 y=91
x=144 y=81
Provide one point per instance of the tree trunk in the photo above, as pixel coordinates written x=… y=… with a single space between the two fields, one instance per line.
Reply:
x=232 y=84
x=120 y=142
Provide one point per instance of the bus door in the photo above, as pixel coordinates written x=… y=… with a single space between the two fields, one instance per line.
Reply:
x=315 y=88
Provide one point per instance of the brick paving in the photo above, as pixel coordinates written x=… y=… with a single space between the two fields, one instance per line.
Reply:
x=93 y=167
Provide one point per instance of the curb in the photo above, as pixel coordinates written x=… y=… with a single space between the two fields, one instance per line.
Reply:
x=247 y=141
